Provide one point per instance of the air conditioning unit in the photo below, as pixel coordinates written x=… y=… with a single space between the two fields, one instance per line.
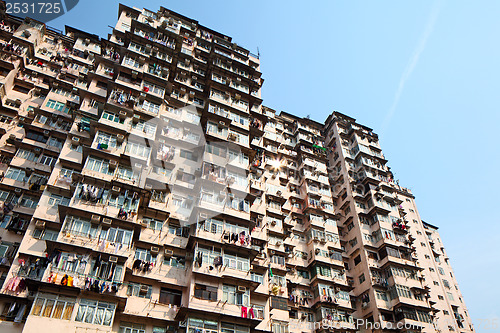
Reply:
x=169 y=253
x=17 y=190
x=271 y=252
x=120 y=138
x=107 y=221
x=112 y=164
x=221 y=124
x=145 y=224
x=273 y=222
x=39 y=224
x=142 y=96
x=242 y=289
x=122 y=114
x=317 y=251
x=136 y=118
x=155 y=249
x=148 y=187
x=37 y=150
x=87 y=41
x=142 y=60
x=279 y=193
x=322 y=240
x=95 y=219
x=46 y=133
x=144 y=288
x=116 y=189
x=278 y=243
x=113 y=259
x=203 y=216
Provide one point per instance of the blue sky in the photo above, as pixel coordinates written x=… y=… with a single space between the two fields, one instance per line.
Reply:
x=425 y=75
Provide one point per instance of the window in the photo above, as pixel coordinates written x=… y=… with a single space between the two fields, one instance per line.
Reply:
x=112 y=117
x=58 y=106
x=131 y=62
x=450 y=296
x=137 y=149
x=144 y=255
x=153 y=223
x=28 y=202
x=279 y=303
x=139 y=290
x=56 y=200
x=205 y=292
x=441 y=270
x=362 y=278
x=157 y=329
x=231 y=295
x=302 y=273
x=145 y=127
x=126 y=173
x=53 y=306
x=98 y=165
x=106 y=140
x=45 y=234
x=131 y=328
x=80 y=227
x=257 y=277
x=170 y=296
x=137 y=47
x=216 y=150
x=197 y=325
x=279 y=326
x=95 y=312
x=25 y=154
x=55 y=142
x=188 y=155
x=4 y=195
x=151 y=107
x=106 y=271
x=175 y=261
x=381 y=295
x=16 y=174
x=232 y=328
x=154 y=89
x=47 y=160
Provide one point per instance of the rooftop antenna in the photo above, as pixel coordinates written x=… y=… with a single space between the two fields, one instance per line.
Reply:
x=258 y=53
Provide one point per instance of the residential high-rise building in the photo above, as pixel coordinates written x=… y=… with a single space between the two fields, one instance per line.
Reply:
x=145 y=188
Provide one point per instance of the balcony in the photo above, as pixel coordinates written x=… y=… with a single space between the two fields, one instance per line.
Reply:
x=137 y=306
x=85 y=241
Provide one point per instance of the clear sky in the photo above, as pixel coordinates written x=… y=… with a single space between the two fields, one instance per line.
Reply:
x=425 y=75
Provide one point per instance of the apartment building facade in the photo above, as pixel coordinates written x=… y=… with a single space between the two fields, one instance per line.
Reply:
x=145 y=188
